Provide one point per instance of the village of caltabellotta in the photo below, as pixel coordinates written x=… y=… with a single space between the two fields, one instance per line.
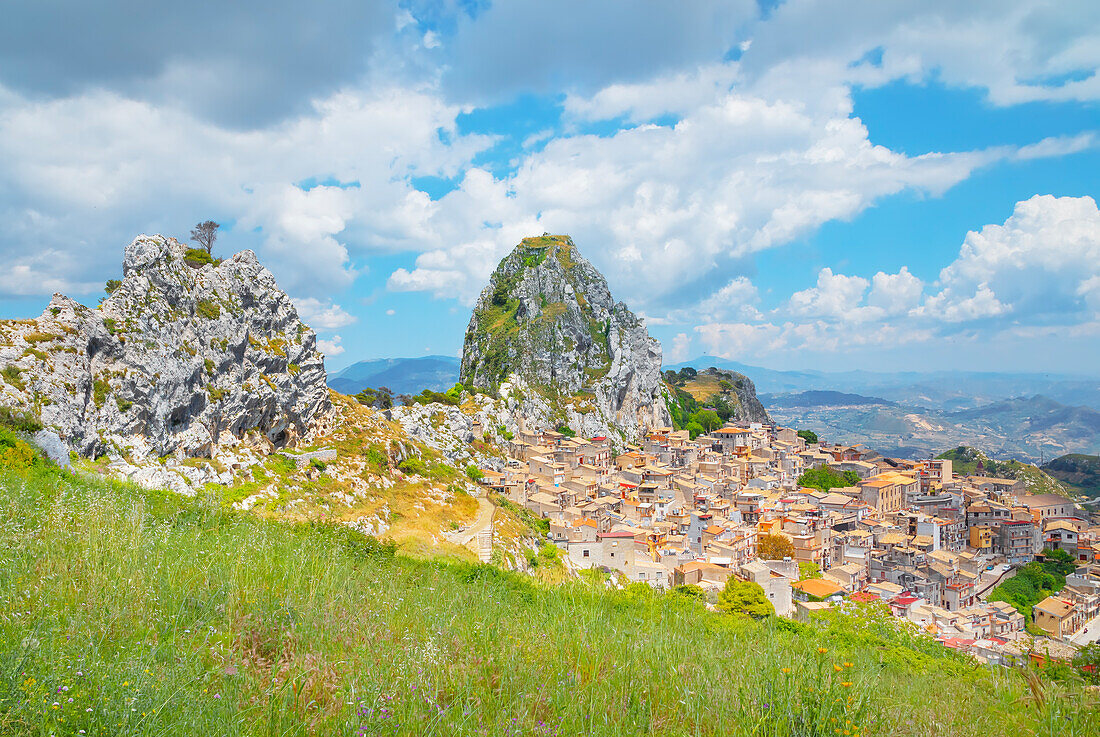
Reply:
x=602 y=367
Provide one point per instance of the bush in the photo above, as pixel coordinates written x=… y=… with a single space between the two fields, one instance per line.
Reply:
x=413 y=466
x=474 y=473
x=694 y=430
x=566 y=431
x=505 y=433
x=18 y=421
x=808 y=435
x=197 y=257
x=13 y=376
x=208 y=309
x=744 y=597
x=825 y=478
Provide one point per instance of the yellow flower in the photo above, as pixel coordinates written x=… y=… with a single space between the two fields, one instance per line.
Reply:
x=847 y=684
x=786 y=670
x=837 y=668
x=822 y=650
x=125 y=683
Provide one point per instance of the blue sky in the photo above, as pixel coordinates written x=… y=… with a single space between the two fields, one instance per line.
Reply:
x=805 y=184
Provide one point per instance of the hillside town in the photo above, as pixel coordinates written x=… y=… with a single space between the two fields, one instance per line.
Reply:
x=914 y=535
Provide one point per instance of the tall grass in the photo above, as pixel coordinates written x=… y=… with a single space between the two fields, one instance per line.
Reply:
x=137 y=613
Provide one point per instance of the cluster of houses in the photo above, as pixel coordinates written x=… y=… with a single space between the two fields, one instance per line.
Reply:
x=914 y=535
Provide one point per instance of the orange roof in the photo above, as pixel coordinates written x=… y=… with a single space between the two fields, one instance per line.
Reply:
x=818 y=587
x=714 y=530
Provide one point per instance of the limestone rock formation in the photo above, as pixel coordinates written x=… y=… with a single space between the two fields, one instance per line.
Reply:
x=182 y=357
x=547 y=331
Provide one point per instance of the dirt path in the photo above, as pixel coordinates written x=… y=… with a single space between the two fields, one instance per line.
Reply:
x=481 y=523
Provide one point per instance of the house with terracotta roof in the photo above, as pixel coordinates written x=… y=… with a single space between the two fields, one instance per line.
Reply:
x=1057 y=616
x=816 y=589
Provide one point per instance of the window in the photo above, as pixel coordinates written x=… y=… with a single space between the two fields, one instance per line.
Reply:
x=585 y=555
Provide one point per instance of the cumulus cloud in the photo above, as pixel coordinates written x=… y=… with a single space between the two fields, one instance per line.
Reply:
x=84 y=174
x=240 y=63
x=835 y=295
x=331 y=346
x=1029 y=49
x=323 y=315
x=1036 y=267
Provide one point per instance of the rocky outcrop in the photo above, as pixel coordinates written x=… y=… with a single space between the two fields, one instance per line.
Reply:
x=183 y=356
x=547 y=332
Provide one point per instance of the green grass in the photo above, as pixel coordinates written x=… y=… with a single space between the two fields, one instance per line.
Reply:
x=124 y=611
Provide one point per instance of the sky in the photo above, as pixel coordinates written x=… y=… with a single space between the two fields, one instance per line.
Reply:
x=828 y=184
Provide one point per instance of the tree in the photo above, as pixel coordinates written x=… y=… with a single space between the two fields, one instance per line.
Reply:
x=825 y=478
x=808 y=569
x=112 y=285
x=708 y=419
x=694 y=429
x=808 y=435
x=725 y=386
x=774 y=547
x=205 y=233
x=744 y=597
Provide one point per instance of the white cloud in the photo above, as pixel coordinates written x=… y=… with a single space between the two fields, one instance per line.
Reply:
x=835 y=296
x=391 y=312
x=895 y=294
x=1037 y=267
x=93 y=170
x=681 y=345
x=331 y=347
x=323 y=315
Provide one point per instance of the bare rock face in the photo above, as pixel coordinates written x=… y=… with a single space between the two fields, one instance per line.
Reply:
x=546 y=331
x=182 y=357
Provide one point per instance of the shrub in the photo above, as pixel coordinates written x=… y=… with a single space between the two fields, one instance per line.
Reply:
x=112 y=285
x=197 y=257
x=413 y=466
x=376 y=458
x=16 y=453
x=808 y=435
x=474 y=473
x=100 y=389
x=566 y=431
x=13 y=376
x=744 y=597
x=694 y=429
x=19 y=421
x=505 y=433
x=318 y=464
x=208 y=309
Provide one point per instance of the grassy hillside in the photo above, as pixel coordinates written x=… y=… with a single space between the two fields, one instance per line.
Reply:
x=129 y=612
x=1080 y=472
x=964 y=461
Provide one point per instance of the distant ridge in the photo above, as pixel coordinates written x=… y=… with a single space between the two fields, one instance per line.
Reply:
x=818 y=398
x=402 y=375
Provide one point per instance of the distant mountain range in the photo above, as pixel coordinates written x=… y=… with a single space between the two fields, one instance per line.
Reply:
x=822 y=398
x=941 y=390
x=402 y=375
x=1030 y=429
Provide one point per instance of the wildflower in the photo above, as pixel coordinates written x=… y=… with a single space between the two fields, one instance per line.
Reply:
x=125 y=683
x=786 y=670
x=837 y=668
x=847 y=665
x=822 y=650
x=847 y=684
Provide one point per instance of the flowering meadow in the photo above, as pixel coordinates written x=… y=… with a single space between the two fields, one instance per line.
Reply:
x=129 y=612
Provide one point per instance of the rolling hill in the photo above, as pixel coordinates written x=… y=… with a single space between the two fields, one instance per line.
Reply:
x=402 y=375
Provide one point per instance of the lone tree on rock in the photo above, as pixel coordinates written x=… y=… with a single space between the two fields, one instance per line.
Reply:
x=205 y=233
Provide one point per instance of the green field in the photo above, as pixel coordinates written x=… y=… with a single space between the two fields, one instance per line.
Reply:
x=130 y=612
